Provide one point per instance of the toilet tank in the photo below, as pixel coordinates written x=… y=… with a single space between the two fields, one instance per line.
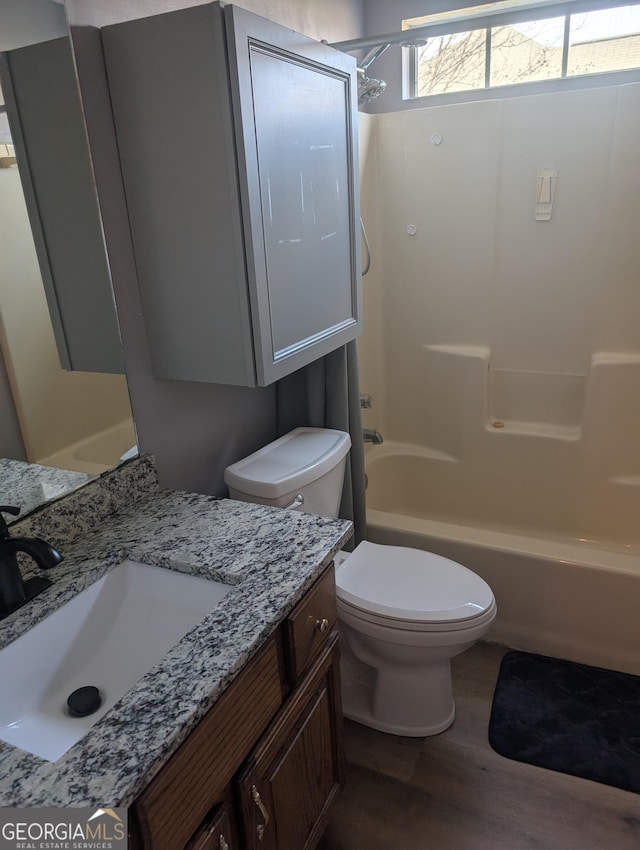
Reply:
x=303 y=470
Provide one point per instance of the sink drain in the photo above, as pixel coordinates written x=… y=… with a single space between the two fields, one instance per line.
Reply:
x=84 y=701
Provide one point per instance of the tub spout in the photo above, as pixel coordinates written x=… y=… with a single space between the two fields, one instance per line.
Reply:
x=371 y=436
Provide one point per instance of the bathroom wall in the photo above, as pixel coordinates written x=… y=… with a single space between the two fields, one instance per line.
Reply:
x=332 y=20
x=195 y=430
x=509 y=345
x=55 y=408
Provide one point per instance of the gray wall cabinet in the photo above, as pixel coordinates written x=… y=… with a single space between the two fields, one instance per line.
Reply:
x=238 y=143
x=48 y=130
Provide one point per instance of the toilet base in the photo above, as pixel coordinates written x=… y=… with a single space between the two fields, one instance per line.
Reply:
x=357 y=693
x=365 y=719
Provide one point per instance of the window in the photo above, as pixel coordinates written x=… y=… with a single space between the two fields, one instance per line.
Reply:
x=513 y=42
x=5 y=133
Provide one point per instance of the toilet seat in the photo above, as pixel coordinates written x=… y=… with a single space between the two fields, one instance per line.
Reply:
x=405 y=588
x=352 y=613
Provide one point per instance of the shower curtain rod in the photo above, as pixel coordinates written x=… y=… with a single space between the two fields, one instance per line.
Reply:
x=404 y=37
x=481 y=20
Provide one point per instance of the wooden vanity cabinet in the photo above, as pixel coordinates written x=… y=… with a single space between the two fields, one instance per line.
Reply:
x=264 y=765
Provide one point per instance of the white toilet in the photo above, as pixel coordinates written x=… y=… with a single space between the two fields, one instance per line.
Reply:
x=403 y=613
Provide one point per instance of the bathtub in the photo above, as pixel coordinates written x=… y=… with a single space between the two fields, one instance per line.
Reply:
x=97 y=453
x=557 y=595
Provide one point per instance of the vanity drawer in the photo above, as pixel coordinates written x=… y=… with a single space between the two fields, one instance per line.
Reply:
x=196 y=776
x=309 y=625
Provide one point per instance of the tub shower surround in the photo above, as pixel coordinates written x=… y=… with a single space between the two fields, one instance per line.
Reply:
x=269 y=555
x=503 y=357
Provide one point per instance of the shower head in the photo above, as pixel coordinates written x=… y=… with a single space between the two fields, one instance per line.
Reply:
x=369 y=88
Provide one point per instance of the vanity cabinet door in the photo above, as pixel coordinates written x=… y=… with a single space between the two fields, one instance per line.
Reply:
x=296 y=771
x=238 y=143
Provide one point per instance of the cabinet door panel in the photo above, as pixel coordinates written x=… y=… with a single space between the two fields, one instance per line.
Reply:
x=297 y=768
x=303 y=779
x=295 y=106
x=301 y=143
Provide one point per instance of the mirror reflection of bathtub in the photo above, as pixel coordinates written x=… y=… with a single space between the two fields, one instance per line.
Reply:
x=98 y=452
x=29 y=485
x=74 y=420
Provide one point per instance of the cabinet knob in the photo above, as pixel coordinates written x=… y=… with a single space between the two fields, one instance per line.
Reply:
x=255 y=796
x=322 y=625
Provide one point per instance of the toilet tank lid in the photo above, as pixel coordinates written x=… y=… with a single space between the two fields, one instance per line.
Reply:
x=289 y=463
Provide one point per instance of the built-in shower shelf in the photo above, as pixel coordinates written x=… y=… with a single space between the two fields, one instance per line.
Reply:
x=391 y=447
x=626 y=480
x=567 y=433
x=615 y=358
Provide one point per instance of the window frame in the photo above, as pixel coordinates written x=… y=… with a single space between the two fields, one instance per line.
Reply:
x=3 y=112
x=487 y=21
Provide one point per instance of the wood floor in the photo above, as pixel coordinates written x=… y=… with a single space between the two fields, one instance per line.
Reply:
x=453 y=792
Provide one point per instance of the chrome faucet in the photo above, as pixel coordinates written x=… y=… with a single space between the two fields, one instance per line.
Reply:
x=14 y=590
x=371 y=436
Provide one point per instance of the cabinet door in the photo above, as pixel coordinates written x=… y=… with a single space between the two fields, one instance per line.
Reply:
x=295 y=110
x=295 y=773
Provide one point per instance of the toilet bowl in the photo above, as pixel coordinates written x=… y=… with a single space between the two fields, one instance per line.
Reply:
x=402 y=613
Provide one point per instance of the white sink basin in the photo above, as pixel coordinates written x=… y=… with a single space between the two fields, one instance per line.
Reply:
x=108 y=636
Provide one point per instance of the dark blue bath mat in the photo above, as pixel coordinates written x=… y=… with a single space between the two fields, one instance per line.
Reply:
x=568 y=717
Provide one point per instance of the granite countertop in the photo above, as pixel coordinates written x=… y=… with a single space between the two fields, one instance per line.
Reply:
x=270 y=556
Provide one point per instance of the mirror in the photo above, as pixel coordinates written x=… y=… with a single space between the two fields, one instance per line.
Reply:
x=50 y=229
